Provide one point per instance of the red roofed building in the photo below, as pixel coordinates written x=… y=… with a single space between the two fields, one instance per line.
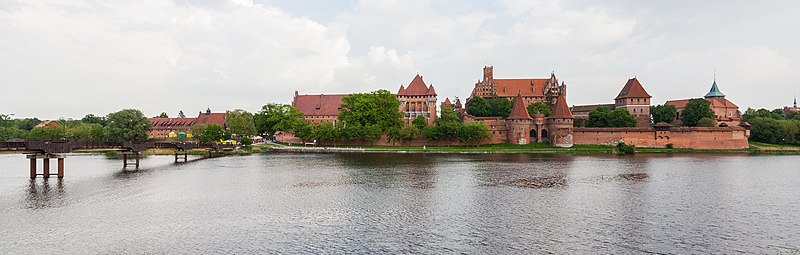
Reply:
x=320 y=107
x=636 y=100
x=418 y=99
x=162 y=127
x=725 y=111
x=530 y=89
x=47 y=123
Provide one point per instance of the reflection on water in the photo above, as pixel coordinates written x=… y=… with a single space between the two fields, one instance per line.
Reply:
x=406 y=203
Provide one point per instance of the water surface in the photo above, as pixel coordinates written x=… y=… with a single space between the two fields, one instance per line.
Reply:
x=405 y=203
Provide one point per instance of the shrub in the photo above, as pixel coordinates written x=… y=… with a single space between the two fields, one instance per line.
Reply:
x=670 y=146
x=623 y=148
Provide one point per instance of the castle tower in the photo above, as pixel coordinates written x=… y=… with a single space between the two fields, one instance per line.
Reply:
x=636 y=100
x=519 y=123
x=558 y=127
x=714 y=92
x=418 y=99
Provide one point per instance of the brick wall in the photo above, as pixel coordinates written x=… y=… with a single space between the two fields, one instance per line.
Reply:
x=710 y=138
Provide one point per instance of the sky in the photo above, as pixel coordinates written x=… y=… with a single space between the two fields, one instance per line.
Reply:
x=66 y=59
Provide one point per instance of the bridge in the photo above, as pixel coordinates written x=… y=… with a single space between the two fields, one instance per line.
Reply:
x=57 y=149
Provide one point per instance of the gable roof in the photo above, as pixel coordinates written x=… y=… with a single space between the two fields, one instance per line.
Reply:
x=631 y=89
x=211 y=118
x=417 y=87
x=525 y=87
x=172 y=123
x=47 y=123
x=561 y=109
x=447 y=101
x=318 y=105
x=519 y=111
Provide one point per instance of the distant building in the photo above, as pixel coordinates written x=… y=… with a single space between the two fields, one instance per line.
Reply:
x=47 y=123
x=787 y=109
x=725 y=111
x=169 y=127
x=418 y=99
x=530 y=89
x=633 y=97
x=318 y=108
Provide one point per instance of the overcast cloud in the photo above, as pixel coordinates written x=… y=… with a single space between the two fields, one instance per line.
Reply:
x=70 y=58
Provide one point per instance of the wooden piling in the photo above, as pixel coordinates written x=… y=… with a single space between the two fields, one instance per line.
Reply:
x=33 y=168
x=60 y=167
x=46 y=166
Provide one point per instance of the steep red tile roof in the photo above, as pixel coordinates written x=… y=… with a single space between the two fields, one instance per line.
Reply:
x=172 y=123
x=632 y=89
x=715 y=103
x=561 y=109
x=417 y=87
x=519 y=111
x=211 y=118
x=318 y=105
x=447 y=101
x=526 y=87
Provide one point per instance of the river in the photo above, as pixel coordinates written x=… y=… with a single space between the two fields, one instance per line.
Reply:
x=405 y=203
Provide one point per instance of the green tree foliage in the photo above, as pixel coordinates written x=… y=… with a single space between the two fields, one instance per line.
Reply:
x=379 y=108
x=420 y=122
x=304 y=131
x=8 y=133
x=775 y=131
x=240 y=122
x=473 y=133
x=277 y=117
x=162 y=115
x=696 y=109
x=707 y=122
x=663 y=113
x=491 y=107
x=210 y=133
x=93 y=119
x=604 y=117
x=27 y=123
x=81 y=131
x=539 y=107
x=127 y=125
x=623 y=148
x=405 y=133
x=46 y=133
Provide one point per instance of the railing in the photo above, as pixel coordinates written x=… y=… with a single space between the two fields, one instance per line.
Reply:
x=62 y=146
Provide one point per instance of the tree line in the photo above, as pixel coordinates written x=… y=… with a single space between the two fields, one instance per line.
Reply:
x=775 y=127
x=123 y=125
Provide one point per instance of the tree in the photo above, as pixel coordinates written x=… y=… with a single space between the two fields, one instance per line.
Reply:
x=46 y=133
x=8 y=133
x=474 y=132
x=478 y=106
x=420 y=122
x=181 y=115
x=501 y=107
x=240 y=122
x=539 y=107
x=277 y=117
x=27 y=123
x=604 y=117
x=127 y=125
x=380 y=108
x=696 y=109
x=93 y=119
x=162 y=115
x=84 y=132
x=6 y=121
x=774 y=131
x=707 y=122
x=663 y=113
x=209 y=133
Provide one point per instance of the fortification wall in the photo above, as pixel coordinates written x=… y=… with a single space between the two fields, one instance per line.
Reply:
x=706 y=138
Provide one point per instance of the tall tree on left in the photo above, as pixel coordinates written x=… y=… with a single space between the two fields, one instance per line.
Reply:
x=127 y=125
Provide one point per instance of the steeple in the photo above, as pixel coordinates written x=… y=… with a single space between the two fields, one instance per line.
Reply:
x=714 y=92
x=795 y=102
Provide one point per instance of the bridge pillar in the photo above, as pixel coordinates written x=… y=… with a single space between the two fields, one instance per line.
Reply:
x=124 y=159
x=46 y=166
x=60 y=167
x=33 y=168
x=137 y=159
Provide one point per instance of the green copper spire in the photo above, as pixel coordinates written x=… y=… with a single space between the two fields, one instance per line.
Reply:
x=714 y=90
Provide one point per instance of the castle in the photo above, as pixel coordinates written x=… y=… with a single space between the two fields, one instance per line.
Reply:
x=562 y=127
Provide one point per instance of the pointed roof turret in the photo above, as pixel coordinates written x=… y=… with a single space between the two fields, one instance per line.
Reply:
x=561 y=109
x=431 y=90
x=402 y=90
x=417 y=87
x=447 y=101
x=714 y=92
x=632 y=89
x=519 y=111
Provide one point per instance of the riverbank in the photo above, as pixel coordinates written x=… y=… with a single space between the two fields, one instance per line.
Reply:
x=530 y=148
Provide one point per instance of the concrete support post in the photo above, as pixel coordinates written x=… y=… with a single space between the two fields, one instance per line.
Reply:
x=46 y=166
x=60 y=168
x=124 y=160
x=33 y=168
